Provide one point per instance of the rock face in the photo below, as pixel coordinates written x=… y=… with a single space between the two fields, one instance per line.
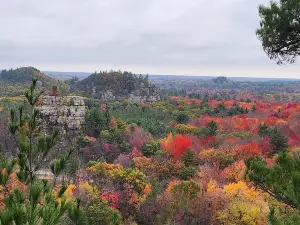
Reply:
x=145 y=94
x=66 y=113
x=108 y=96
x=145 y=98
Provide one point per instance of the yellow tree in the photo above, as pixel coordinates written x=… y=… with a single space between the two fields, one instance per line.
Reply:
x=246 y=206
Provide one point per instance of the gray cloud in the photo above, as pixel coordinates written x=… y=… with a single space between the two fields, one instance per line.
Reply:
x=154 y=35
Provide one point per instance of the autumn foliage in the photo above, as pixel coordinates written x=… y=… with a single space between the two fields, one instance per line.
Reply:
x=176 y=145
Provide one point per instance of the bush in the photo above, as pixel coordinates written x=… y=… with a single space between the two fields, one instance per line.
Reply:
x=151 y=148
x=182 y=117
x=263 y=130
x=189 y=158
x=186 y=129
x=99 y=213
x=187 y=172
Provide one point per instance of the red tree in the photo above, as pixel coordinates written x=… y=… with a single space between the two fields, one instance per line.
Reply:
x=176 y=145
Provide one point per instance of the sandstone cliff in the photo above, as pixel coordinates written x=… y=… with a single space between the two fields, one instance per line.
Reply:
x=66 y=113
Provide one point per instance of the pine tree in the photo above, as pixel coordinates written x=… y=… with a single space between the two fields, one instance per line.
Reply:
x=263 y=130
x=34 y=147
x=212 y=127
x=280 y=180
x=278 y=141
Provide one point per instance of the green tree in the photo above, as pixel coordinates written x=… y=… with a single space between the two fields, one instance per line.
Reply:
x=190 y=158
x=96 y=121
x=33 y=150
x=278 y=141
x=279 y=30
x=99 y=213
x=278 y=217
x=263 y=130
x=21 y=210
x=187 y=172
x=280 y=180
x=212 y=127
x=152 y=148
x=182 y=117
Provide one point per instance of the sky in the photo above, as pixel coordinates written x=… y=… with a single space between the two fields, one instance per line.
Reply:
x=190 y=37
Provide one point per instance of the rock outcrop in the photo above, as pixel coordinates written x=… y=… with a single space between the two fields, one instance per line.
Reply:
x=66 y=113
x=117 y=85
x=145 y=94
x=141 y=95
x=145 y=98
x=108 y=96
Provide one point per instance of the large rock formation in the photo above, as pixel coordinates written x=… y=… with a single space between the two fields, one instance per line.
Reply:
x=117 y=85
x=66 y=113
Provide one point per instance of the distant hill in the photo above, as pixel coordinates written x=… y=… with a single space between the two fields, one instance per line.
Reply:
x=116 y=84
x=21 y=78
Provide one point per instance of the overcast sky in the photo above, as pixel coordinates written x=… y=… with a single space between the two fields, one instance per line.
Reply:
x=189 y=37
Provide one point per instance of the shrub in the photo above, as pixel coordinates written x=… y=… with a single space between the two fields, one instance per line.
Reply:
x=99 y=213
x=187 y=172
x=151 y=148
x=182 y=117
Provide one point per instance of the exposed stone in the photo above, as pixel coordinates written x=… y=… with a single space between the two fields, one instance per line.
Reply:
x=108 y=96
x=67 y=113
x=143 y=95
x=145 y=98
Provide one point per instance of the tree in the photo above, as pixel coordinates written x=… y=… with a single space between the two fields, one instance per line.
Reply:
x=95 y=122
x=246 y=206
x=278 y=141
x=280 y=30
x=152 y=148
x=34 y=148
x=190 y=158
x=263 y=130
x=99 y=213
x=182 y=117
x=280 y=180
x=212 y=127
x=22 y=210
x=247 y=150
x=187 y=172
x=176 y=145
x=55 y=91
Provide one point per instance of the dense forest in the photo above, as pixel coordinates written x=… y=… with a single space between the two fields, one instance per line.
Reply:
x=183 y=160
x=208 y=152
x=217 y=157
